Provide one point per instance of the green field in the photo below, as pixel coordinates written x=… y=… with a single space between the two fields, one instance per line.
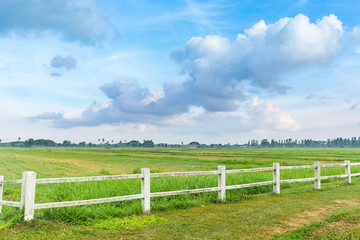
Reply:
x=299 y=212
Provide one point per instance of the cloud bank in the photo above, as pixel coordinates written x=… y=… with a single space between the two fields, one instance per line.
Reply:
x=75 y=20
x=218 y=69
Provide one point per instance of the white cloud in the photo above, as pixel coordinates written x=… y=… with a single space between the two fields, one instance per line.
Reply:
x=355 y=34
x=262 y=55
x=153 y=96
x=268 y=116
x=73 y=20
x=258 y=29
x=218 y=69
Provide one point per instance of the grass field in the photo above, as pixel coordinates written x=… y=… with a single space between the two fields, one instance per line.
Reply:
x=299 y=212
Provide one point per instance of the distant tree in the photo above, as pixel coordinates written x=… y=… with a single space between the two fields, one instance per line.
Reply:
x=44 y=142
x=265 y=143
x=148 y=144
x=134 y=143
x=254 y=142
x=50 y=143
x=29 y=143
x=66 y=143
x=193 y=145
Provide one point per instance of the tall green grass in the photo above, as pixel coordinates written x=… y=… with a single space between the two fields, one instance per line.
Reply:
x=102 y=189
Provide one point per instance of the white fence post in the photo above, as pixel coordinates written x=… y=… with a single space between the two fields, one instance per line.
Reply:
x=348 y=171
x=276 y=178
x=222 y=183
x=317 y=184
x=23 y=190
x=145 y=190
x=1 y=190
x=28 y=191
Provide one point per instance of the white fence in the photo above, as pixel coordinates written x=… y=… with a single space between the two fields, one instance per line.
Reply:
x=29 y=182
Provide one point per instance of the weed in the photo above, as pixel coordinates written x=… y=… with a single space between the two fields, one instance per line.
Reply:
x=130 y=223
x=104 y=172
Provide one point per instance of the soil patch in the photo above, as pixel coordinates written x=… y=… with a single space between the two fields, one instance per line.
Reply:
x=307 y=217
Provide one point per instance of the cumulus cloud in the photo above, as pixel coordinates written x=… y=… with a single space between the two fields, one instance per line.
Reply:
x=130 y=102
x=355 y=34
x=74 y=20
x=270 y=117
x=262 y=54
x=218 y=69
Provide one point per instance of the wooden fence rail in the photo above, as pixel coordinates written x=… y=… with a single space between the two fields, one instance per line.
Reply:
x=29 y=181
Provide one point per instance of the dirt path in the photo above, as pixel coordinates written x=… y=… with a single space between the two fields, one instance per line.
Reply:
x=307 y=217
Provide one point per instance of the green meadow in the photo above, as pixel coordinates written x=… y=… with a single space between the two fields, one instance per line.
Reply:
x=254 y=213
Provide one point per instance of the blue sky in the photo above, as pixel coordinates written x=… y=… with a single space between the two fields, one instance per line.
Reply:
x=179 y=71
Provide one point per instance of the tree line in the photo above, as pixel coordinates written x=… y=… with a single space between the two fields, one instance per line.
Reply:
x=329 y=143
x=66 y=143
x=265 y=143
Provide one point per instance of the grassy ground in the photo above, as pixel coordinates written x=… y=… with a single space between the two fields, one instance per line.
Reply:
x=248 y=213
x=81 y=162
